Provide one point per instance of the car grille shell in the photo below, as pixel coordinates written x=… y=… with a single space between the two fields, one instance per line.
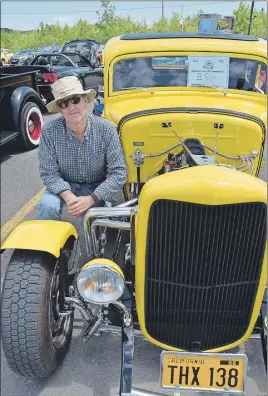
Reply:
x=203 y=265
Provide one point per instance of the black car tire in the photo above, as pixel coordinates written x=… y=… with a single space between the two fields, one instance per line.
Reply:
x=29 y=316
x=31 y=123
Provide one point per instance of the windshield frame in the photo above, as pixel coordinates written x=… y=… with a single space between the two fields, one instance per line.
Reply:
x=112 y=93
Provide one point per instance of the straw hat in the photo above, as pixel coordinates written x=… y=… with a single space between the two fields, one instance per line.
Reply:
x=66 y=87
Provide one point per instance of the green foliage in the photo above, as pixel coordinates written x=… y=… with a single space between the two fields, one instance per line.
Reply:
x=259 y=22
x=109 y=25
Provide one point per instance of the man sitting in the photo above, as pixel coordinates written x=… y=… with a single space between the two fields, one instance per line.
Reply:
x=81 y=160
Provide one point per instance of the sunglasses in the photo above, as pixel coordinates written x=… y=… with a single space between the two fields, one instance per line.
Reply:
x=63 y=104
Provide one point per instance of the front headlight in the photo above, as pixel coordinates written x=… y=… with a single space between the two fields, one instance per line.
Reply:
x=100 y=281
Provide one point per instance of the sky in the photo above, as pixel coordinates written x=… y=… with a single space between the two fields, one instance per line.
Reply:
x=27 y=15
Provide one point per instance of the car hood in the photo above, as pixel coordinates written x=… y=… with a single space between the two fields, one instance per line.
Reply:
x=122 y=105
x=20 y=56
x=144 y=124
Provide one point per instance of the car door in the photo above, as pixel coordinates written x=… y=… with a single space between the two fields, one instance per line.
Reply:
x=92 y=78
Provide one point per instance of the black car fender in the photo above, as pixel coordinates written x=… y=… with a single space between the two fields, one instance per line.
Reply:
x=19 y=97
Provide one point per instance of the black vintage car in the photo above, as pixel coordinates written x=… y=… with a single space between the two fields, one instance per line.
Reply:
x=21 y=108
x=52 y=66
x=68 y=59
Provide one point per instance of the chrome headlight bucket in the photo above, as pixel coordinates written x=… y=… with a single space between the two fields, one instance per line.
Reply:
x=101 y=281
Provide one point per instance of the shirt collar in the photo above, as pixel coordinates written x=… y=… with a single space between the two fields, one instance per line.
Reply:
x=71 y=133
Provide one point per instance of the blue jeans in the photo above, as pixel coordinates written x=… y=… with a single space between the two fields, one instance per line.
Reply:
x=51 y=205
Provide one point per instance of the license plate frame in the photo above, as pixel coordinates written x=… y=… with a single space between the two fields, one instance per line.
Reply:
x=222 y=356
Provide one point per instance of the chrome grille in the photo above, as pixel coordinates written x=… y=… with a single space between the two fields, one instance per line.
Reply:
x=203 y=265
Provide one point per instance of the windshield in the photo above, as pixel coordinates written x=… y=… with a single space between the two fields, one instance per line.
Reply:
x=53 y=60
x=186 y=71
x=78 y=60
x=79 y=46
x=23 y=52
x=46 y=48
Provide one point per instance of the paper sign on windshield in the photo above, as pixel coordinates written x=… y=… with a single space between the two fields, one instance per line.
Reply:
x=208 y=70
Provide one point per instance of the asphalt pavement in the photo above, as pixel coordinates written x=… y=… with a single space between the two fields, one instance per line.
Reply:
x=91 y=369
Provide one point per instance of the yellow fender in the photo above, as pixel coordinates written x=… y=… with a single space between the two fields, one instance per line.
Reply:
x=42 y=235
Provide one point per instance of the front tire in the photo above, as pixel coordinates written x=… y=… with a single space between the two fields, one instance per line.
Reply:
x=35 y=336
x=30 y=126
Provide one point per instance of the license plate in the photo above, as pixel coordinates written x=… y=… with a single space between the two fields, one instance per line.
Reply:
x=214 y=372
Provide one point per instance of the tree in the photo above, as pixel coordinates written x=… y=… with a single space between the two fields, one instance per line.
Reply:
x=109 y=25
x=191 y=22
x=175 y=22
x=259 y=23
x=106 y=14
x=242 y=18
x=162 y=25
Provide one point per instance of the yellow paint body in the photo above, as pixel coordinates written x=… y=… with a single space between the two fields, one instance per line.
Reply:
x=139 y=115
x=208 y=185
x=41 y=235
x=103 y=261
x=193 y=112
x=6 y=56
x=243 y=113
x=238 y=136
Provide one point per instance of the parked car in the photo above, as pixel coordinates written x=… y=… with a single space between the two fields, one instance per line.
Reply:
x=53 y=48
x=21 y=109
x=86 y=47
x=100 y=54
x=60 y=59
x=5 y=56
x=49 y=48
x=22 y=57
x=187 y=270
x=52 y=66
x=64 y=65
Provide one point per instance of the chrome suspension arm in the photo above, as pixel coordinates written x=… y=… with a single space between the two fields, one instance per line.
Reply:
x=99 y=217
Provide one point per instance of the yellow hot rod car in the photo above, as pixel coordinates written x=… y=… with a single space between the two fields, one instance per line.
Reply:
x=188 y=266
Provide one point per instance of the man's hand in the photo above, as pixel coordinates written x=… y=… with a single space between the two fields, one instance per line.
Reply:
x=80 y=206
x=69 y=197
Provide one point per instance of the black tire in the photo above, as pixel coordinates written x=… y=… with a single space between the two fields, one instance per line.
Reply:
x=30 y=126
x=27 y=320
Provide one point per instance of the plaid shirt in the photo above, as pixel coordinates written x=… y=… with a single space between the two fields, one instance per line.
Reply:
x=98 y=158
